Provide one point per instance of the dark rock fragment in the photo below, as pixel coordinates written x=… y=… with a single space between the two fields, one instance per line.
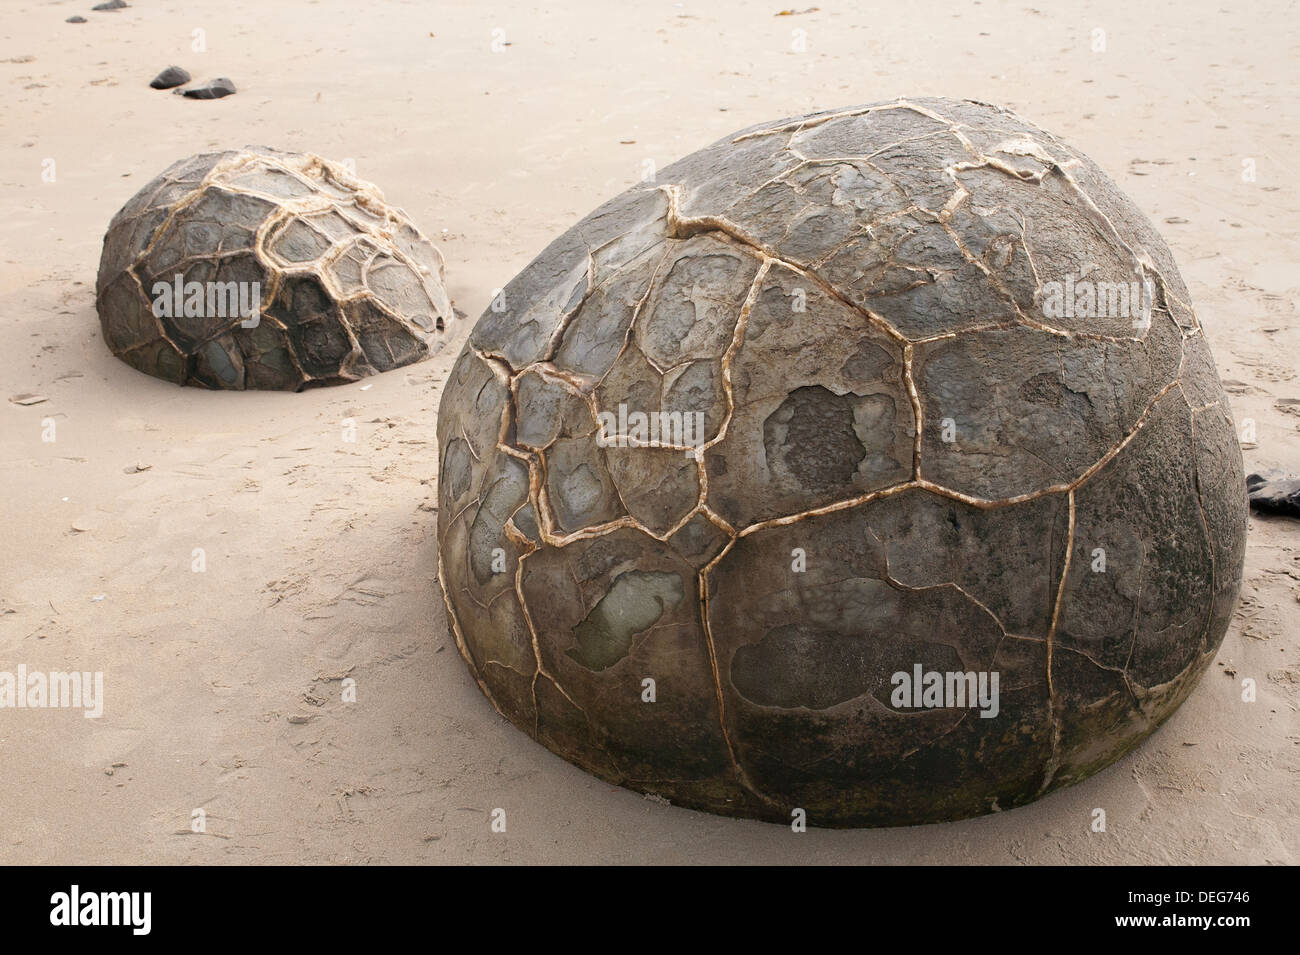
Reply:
x=172 y=76
x=1274 y=494
x=212 y=89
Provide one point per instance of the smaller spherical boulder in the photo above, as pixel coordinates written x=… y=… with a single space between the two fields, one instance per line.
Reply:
x=257 y=268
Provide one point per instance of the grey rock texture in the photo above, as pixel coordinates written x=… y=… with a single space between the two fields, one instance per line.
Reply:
x=910 y=455
x=212 y=89
x=346 y=284
x=172 y=76
x=1274 y=493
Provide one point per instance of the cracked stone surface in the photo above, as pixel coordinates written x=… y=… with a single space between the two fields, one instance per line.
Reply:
x=907 y=457
x=347 y=285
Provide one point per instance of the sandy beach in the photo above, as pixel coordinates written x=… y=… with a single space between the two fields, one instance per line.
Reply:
x=495 y=127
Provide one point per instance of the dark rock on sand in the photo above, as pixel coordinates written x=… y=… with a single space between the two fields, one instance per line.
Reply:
x=1274 y=494
x=212 y=89
x=172 y=76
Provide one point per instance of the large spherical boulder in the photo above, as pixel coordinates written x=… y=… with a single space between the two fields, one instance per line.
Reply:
x=870 y=463
x=257 y=268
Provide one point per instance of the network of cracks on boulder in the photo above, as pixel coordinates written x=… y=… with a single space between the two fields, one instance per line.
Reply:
x=872 y=381
x=304 y=276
